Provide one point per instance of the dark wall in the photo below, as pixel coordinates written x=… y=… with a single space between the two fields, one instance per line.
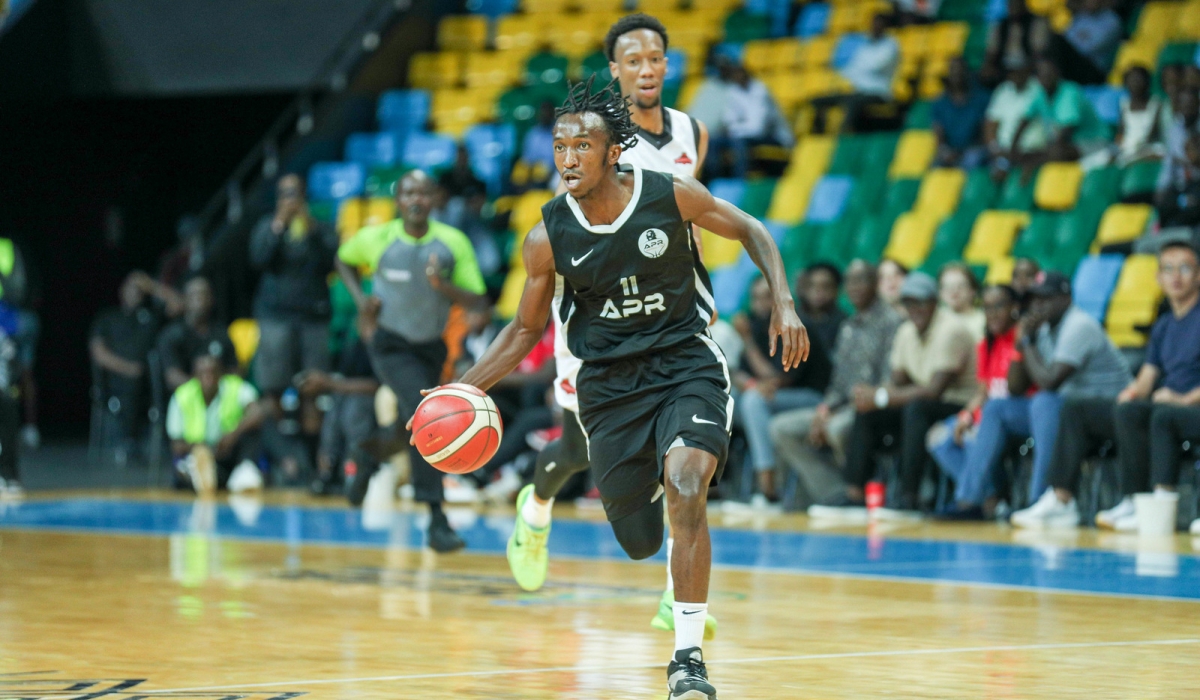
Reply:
x=71 y=165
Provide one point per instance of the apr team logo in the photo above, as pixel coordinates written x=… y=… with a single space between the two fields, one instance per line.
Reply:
x=653 y=243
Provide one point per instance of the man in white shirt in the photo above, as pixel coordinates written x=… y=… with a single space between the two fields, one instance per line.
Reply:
x=750 y=118
x=869 y=71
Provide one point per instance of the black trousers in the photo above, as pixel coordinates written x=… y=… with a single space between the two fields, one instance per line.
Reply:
x=1150 y=438
x=910 y=423
x=10 y=424
x=1083 y=426
x=407 y=368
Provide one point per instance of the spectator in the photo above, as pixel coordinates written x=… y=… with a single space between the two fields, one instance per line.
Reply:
x=958 y=120
x=460 y=180
x=1006 y=111
x=891 y=279
x=708 y=103
x=751 y=118
x=1160 y=409
x=421 y=267
x=18 y=296
x=121 y=339
x=1173 y=176
x=1086 y=50
x=1072 y=128
x=295 y=253
x=933 y=376
x=1075 y=364
x=1025 y=274
x=1180 y=205
x=953 y=442
x=1141 y=116
x=213 y=421
x=869 y=72
x=10 y=415
x=766 y=389
x=536 y=165
x=801 y=436
x=192 y=335
x=1190 y=79
x=917 y=11
x=350 y=418
x=1015 y=40
x=958 y=290
x=818 y=294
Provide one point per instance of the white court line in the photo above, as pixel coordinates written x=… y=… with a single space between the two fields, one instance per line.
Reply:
x=714 y=662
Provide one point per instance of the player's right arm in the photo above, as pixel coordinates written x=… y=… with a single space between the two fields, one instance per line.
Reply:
x=520 y=336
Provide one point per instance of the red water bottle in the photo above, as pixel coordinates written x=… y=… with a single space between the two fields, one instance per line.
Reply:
x=875 y=495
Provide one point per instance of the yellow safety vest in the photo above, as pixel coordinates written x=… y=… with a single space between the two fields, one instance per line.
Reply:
x=195 y=412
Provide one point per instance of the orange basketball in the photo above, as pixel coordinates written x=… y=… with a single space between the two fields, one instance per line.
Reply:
x=457 y=428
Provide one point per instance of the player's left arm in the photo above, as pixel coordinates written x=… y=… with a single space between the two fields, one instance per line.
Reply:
x=701 y=147
x=696 y=204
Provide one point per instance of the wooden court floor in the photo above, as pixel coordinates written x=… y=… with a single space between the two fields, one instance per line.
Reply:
x=201 y=616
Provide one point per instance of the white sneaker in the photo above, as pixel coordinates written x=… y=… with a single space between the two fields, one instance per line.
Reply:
x=11 y=490
x=1126 y=523
x=1195 y=528
x=459 y=490
x=503 y=489
x=245 y=477
x=1107 y=519
x=1047 y=513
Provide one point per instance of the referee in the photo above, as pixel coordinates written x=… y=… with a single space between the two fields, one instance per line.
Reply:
x=421 y=268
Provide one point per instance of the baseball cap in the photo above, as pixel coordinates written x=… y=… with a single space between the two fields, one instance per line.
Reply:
x=1051 y=284
x=919 y=287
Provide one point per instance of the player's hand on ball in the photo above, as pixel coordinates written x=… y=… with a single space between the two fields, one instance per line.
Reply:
x=409 y=424
x=787 y=327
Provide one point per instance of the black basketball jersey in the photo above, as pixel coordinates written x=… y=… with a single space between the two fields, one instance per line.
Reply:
x=633 y=286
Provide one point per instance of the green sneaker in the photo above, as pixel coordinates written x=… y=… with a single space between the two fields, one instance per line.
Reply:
x=527 y=555
x=665 y=619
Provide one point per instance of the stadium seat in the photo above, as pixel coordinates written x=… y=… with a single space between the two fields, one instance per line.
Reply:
x=491 y=68
x=491 y=148
x=947 y=39
x=1073 y=235
x=1000 y=271
x=677 y=67
x=244 y=334
x=454 y=111
x=940 y=191
x=350 y=215
x=729 y=189
x=912 y=237
x=434 y=70
x=813 y=20
x=1037 y=237
x=381 y=182
x=1139 y=178
x=829 y=198
x=336 y=180
x=796 y=248
x=496 y=8
x=510 y=292
x=914 y=153
x=873 y=235
x=978 y=191
x=379 y=210
x=835 y=245
x=900 y=197
x=1057 y=186
x=462 y=33
x=402 y=111
x=1136 y=52
x=1189 y=21
x=718 y=252
x=790 y=200
x=845 y=48
x=1100 y=187
x=373 y=150
x=993 y=234
x=429 y=151
x=817 y=51
x=1095 y=279
x=547 y=68
x=731 y=283
x=538 y=7
x=527 y=212
x=742 y=26
x=1122 y=223
x=950 y=239
x=1157 y=22
x=848 y=156
x=518 y=33
x=920 y=115
x=758 y=56
x=1134 y=301
x=1015 y=194
x=1106 y=101
x=756 y=200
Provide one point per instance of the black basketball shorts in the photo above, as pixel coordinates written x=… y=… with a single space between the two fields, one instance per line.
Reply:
x=634 y=411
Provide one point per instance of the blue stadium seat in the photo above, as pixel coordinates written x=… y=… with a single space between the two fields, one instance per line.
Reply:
x=828 y=198
x=734 y=52
x=429 y=151
x=813 y=20
x=758 y=7
x=1106 y=100
x=1095 y=279
x=676 y=67
x=728 y=189
x=731 y=283
x=403 y=111
x=492 y=8
x=778 y=230
x=846 y=47
x=491 y=148
x=996 y=10
x=336 y=180
x=373 y=150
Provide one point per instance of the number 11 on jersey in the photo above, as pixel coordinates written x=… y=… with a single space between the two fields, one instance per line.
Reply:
x=629 y=285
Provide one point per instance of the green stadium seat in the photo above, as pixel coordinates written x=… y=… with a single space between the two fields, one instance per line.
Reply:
x=900 y=196
x=381 y=182
x=920 y=115
x=1015 y=195
x=798 y=244
x=1100 y=187
x=547 y=68
x=950 y=240
x=872 y=238
x=742 y=26
x=836 y=245
x=848 y=156
x=1177 y=53
x=1073 y=235
x=1139 y=178
x=323 y=210
x=595 y=64
x=881 y=147
x=978 y=192
x=757 y=198
x=1036 y=239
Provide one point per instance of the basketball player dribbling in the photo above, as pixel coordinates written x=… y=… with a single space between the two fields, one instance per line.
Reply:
x=653 y=388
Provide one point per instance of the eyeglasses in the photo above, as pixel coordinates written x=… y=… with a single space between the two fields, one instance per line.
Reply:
x=1185 y=270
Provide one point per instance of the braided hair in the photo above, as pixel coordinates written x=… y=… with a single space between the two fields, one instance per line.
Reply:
x=607 y=103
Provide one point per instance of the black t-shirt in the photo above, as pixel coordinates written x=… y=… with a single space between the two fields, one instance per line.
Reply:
x=354 y=362
x=814 y=373
x=128 y=334
x=179 y=344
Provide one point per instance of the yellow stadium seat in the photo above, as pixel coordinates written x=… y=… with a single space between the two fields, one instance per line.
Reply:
x=462 y=33
x=657 y=8
x=244 y=334
x=810 y=159
x=527 y=212
x=1057 y=186
x=843 y=19
x=1189 y=22
x=1134 y=302
x=930 y=87
x=948 y=38
x=518 y=32
x=759 y=56
x=454 y=111
x=719 y=252
x=1000 y=271
x=787 y=89
x=820 y=82
x=350 y=215
x=1134 y=53
x=510 y=293
x=492 y=68
x=940 y=191
x=694 y=26
x=379 y=210
x=1045 y=7
x=576 y=36
x=431 y=71
x=993 y=234
x=913 y=41
x=789 y=202
x=914 y=153
x=787 y=54
x=912 y=236
x=817 y=51
x=536 y=7
x=1157 y=22
x=1122 y=223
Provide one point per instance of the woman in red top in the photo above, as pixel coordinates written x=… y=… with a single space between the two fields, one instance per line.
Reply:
x=948 y=441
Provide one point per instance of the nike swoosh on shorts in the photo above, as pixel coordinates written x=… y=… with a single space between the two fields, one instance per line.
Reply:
x=698 y=419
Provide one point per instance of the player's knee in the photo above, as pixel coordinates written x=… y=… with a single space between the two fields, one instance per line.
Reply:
x=640 y=545
x=688 y=478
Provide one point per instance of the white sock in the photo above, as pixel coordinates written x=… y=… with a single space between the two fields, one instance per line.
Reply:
x=536 y=514
x=689 y=624
x=670 y=547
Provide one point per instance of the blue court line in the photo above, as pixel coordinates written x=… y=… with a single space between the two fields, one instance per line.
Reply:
x=1175 y=577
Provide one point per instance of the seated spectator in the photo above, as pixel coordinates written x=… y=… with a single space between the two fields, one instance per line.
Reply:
x=295 y=254
x=10 y=412
x=1072 y=360
x=958 y=120
x=19 y=296
x=708 y=102
x=958 y=290
x=1160 y=409
x=817 y=291
x=952 y=442
x=1140 y=135
x=1173 y=176
x=1015 y=40
x=765 y=389
x=1180 y=204
x=460 y=180
x=350 y=418
x=535 y=167
x=192 y=335
x=121 y=339
x=213 y=421
x=1006 y=111
x=812 y=441
x=891 y=278
x=1072 y=128
x=1190 y=79
x=933 y=377
x=869 y=72
x=751 y=118
x=1086 y=50
x=916 y=11
x=1025 y=274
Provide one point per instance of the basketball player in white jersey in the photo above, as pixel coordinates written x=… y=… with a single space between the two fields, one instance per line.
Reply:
x=668 y=141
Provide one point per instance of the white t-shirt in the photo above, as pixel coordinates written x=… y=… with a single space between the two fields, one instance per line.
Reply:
x=1008 y=108
x=872 y=66
x=747 y=110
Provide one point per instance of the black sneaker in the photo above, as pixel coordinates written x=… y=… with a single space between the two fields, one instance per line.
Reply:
x=687 y=679
x=442 y=538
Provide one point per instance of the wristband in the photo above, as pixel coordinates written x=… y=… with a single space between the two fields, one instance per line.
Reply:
x=881 y=398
